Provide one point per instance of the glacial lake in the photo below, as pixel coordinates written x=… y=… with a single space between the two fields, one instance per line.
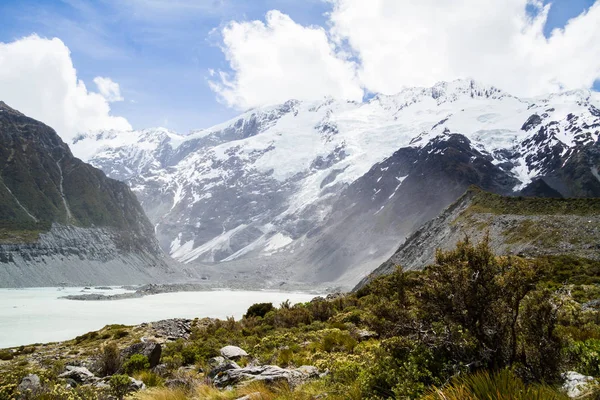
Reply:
x=39 y=315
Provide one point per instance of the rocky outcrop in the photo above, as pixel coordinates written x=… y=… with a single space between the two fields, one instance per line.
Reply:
x=152 y=351
x=575 y=384
x=268 y=374
x=80 y=375
x=220 y=364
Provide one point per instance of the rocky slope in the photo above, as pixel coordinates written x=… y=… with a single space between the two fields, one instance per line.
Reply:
x=529 y=227
x=64 y=221
x=324 y=191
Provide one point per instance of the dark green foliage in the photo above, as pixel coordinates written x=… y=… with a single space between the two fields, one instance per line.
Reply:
x=6 y=355
x=259 y=310
x=119 y=334
x=119 y=385
x=110 y=359
x=136 y=363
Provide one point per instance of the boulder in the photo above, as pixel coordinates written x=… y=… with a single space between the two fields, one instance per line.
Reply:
x=267 y=374
x=152 y=351
x=363 y=334
x=78 y=374
x=220 y=364
x=575 y=383
x=29 y=385
x=233 y=352
x=136 y=385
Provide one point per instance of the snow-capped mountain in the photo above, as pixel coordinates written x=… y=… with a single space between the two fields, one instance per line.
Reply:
x=326 y=190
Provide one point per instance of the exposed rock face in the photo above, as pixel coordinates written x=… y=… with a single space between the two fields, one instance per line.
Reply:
x=152 y=351
x=266 y=373
x=80 y=375
x=64 y=221
x=530 y=227
x=324 y=191
x=173 y=328
x=220 y=364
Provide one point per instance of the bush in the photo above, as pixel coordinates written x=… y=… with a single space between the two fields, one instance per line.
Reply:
x=119 y=385
x=150 y=379
x=136 y=363
x=259 y=310
x=110 y=359
x=6 y=355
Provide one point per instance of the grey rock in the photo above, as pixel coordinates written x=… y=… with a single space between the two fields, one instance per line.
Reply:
x=266 y=373
x=161 y=369
x=30 y=384
x=363 y=334
x=152 y=351
x=220 y=364
x=78 y=374
x=136 y=385
x=233 y=352
x=575 y=383
x=173 y=328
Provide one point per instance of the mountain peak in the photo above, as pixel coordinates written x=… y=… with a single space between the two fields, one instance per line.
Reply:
x=5 y=108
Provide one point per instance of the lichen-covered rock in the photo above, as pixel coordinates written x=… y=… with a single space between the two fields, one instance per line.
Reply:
x=233 y=352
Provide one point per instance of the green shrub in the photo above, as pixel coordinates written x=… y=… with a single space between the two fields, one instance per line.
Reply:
x=6 y=355
x=259 y=310
x=150 y=379
x=110 y=359
x=119 y=385
x=136 y=363
x=585 y=356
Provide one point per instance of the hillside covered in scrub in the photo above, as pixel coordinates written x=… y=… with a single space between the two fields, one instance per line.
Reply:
x=525 y=226
x=469 y=326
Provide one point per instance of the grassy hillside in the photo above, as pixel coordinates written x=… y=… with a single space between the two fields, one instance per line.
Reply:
x=485 y=202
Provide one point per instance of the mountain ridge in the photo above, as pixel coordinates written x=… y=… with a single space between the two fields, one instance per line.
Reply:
x=266 y=183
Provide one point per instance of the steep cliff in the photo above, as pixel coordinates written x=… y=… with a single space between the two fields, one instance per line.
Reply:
x=64 y=221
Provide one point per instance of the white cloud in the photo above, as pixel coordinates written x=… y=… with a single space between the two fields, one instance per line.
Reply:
x=407 y=43
x=279 y=60
x=110 y=90
x=37 y=77
x=400 y=43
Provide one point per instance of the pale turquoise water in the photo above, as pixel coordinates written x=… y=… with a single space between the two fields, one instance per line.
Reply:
x=37 y=315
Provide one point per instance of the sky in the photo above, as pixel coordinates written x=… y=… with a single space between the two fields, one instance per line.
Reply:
x=82 y=65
